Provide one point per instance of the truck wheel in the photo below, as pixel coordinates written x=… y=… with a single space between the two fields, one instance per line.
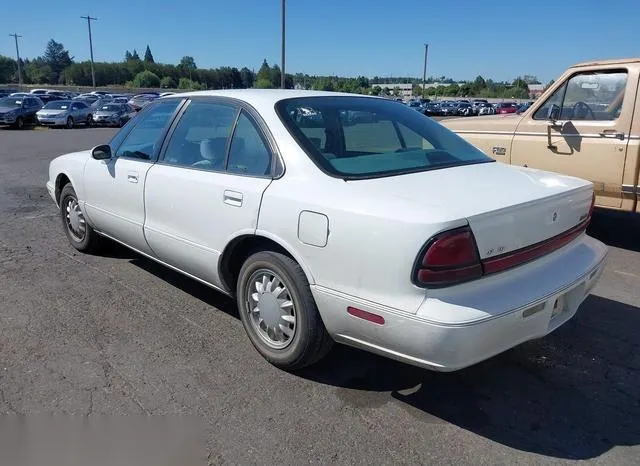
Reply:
x=278 y=311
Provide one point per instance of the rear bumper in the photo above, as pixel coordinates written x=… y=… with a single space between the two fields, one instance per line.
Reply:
x=481 y=320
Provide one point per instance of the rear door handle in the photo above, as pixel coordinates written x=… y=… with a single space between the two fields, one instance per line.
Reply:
x=132 y=177
x=233 y=198
x=611 y=133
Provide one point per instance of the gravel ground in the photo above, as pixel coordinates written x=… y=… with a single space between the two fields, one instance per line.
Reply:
x=118 y=334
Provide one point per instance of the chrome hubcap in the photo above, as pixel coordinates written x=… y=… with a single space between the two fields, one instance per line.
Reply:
x=270 y=308
x=75 y=219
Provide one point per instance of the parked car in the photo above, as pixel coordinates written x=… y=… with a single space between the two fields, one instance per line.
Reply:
x=66 y=113
x=464 y=109
x=7 y=92
x=506 y=107
x=113 y=114
x=410 y=243
x=19 y=111
x=432 y=109
x=486 y=109
x=586 y=124
x=142 y=100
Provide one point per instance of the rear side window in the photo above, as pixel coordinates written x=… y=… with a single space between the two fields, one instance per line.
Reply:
x=360 y=137
x=248 y=154
x=201 y=136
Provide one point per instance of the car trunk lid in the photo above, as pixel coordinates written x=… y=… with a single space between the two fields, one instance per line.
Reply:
x=507 y=208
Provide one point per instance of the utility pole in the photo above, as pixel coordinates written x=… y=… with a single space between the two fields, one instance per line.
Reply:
x=282 y=58
x=424 y=71
x=15 y=36
x=93 y=73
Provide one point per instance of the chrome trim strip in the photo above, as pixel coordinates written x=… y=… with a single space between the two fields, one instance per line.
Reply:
x=538 y=133
x=630 y=189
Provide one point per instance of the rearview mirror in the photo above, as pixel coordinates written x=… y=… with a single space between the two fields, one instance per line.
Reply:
x=102 y=152
x=554 y=112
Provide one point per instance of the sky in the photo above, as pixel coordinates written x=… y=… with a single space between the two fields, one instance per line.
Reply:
x=493 y=38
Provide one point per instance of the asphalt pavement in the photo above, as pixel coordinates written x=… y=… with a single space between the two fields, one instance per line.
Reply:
x=119 y=334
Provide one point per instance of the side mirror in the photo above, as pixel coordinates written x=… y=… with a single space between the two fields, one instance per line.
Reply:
x=102 y=152
x=553 y=113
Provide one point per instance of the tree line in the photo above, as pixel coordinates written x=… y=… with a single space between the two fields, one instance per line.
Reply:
x=57 y=66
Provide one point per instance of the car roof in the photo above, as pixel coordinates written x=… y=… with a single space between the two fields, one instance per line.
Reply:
x=614 y=61
x=264 y=96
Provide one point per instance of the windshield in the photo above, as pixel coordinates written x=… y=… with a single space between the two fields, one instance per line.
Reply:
x=11 y=102
x=57 y=105
x=360 y=137
x=110 y=108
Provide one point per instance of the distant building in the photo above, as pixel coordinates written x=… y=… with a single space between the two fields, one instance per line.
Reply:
x=535 y=90
x=404 y=89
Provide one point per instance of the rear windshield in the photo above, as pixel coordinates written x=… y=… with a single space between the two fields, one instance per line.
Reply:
x=360 y=137
x=110 y=108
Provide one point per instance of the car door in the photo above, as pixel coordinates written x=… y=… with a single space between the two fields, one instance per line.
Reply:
x=80 y=112
x=582 y=129
x=207 y=187
x=114 y=188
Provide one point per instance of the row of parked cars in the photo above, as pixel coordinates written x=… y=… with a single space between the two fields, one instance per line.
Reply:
x=465 y=107
x=55 y=108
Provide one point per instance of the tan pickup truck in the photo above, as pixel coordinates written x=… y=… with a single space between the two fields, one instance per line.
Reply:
x=587 y=124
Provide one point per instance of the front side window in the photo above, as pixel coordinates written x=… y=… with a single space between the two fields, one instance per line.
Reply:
x=142 y=141
x=201 y=136
x=592 y=95
x=360 y=137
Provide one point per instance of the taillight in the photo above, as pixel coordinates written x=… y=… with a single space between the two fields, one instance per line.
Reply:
x=448 y=258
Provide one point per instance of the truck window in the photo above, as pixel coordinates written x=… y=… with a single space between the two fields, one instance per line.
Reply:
x=592 y=95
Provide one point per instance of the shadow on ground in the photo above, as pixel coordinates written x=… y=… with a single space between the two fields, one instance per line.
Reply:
x=618 y=229
x=573 y=394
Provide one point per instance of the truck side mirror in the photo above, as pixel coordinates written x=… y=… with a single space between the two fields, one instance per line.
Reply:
x=554 y=113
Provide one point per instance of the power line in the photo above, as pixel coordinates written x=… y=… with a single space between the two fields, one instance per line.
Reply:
x=15 y=36
x=93 y=73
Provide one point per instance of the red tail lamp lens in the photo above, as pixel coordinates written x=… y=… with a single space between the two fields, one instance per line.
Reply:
x=450 y=258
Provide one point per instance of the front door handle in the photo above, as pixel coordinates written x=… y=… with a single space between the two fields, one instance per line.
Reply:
x=611 y=133
x=233 y=198
x=132 y=177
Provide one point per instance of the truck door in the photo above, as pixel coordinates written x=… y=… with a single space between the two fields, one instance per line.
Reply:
x=583 y=129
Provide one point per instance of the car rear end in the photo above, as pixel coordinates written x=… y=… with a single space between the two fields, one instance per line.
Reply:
x=446 y=256
x=502 y=278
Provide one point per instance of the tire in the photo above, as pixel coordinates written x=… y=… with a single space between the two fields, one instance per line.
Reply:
x=121 y=123
x=310 y=340
x=89 y=121
x=20 y=123
x=88 y=241
x=70 y=123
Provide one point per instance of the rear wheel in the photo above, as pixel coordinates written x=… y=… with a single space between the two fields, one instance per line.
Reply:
x=78 y=231
x=278 y=311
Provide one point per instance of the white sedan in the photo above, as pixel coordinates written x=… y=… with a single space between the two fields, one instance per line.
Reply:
x=335 y=217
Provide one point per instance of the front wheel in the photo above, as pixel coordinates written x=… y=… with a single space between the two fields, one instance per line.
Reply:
x=89 y=121
x=78 y=231
x=70 y=123
x=20 y=123
x=278 y=311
